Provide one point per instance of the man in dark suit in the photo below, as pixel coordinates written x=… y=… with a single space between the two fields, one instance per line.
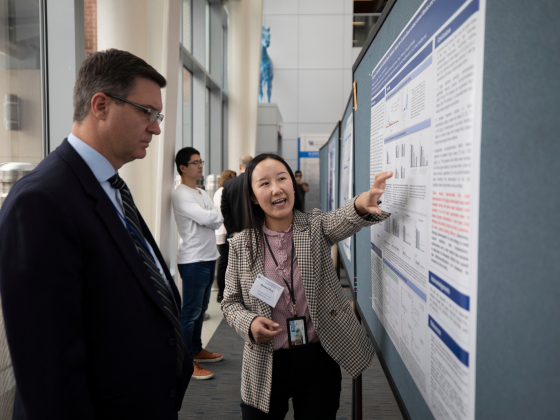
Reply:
x=91 y=310
x=232 y=200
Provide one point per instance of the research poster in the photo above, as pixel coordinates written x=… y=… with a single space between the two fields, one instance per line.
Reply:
x=425 y=127
x=346 y=162
x=331 y=191
x=308 y=164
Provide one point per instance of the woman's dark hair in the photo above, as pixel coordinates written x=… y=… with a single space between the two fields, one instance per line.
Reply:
x=253 y=214
x=183 y=157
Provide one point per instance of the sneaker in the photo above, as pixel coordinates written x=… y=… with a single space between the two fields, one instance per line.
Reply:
x=206 y=356
x=206 y=316
x=201 y=373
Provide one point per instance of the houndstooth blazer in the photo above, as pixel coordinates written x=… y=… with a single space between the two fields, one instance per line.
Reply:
x=337 y=326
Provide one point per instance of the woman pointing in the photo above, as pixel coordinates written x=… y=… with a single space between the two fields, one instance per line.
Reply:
x=284 y=299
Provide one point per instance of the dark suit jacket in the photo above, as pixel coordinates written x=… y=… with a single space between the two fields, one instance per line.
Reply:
x=232 y=204
x=88 y=335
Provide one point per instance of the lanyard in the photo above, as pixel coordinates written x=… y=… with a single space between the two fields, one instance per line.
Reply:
x=291 y=290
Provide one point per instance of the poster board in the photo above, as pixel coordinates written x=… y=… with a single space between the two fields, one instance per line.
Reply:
x=501 y=249
x=346 y=183
x=308 y=164
x=328 y=154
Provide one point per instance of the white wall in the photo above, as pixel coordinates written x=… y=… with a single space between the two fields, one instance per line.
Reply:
x=312 y=55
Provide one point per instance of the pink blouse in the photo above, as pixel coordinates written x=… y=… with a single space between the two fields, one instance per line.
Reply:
x=281 y=244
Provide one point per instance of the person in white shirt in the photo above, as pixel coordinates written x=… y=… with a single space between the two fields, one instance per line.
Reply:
x=221 y=235
x=197 y=218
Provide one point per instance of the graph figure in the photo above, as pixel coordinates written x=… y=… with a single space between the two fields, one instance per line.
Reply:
x=403 y=148
x=399 y=172
x=387 y=225
x=423 y=159
x=405 y=106
x=396 y=228
x=404 y=237
x=394 y=113
x=388 y=159
x=413 y=157
x=418 y=243
x=397 y=150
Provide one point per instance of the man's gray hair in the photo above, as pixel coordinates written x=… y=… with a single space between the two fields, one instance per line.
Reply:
x=244 y=160
x=110 y=72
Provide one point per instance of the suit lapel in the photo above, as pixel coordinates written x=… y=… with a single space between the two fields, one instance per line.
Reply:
x=112 y=222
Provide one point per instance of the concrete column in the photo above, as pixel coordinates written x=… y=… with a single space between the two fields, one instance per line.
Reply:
x=245 y=23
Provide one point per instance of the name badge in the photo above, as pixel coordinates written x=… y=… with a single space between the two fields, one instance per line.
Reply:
x=266 y=290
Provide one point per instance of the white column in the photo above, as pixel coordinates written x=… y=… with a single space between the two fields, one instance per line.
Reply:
x=149 y=29
x=245 y=23
x=164 y=234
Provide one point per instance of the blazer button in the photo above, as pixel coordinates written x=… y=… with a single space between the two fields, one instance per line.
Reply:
x=334 y=313
x=172 y=342
x=172 y=393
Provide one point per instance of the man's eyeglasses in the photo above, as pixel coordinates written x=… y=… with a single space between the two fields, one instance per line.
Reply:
x=196 y=162
x=152 y=113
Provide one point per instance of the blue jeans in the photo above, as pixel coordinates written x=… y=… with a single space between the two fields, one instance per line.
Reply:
x=197 y=284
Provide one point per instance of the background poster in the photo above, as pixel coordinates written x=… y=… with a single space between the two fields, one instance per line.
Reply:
x=308 y=164
x=331 y=186
x=346 y=182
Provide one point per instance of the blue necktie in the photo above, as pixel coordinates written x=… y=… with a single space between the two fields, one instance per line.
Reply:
x=164 y=292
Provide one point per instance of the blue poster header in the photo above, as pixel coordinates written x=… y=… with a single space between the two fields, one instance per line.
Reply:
x=470 y=10
x=460 y=299
x=426 y=22
x=408 y=69
x=461 y=354
x=378 y=98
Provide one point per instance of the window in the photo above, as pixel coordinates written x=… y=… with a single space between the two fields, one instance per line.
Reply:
x=187 y=108
x=186 y=25
x=207 y=130
x=224 y=49
x=21 y=134
x=363 y=25
x=207 y=34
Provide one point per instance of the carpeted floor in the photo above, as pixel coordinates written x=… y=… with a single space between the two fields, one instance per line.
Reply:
x=219 y=398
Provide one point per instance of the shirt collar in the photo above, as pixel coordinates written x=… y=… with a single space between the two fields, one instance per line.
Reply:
x=99 y=165
x=269 y=232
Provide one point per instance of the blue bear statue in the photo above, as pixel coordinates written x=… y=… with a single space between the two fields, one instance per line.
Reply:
x=266 y=65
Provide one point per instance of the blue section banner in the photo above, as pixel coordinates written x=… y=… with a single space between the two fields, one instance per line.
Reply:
x=461 y=354
x=407 y=281
x=308 y=154
x=409 y=130
x=459 y=298
x=377 y=250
